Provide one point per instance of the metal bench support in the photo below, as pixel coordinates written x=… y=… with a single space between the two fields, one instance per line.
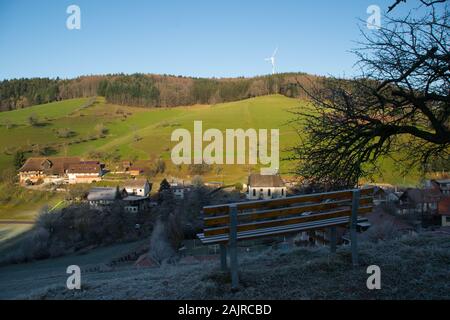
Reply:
x=333 y=239
x=233 y=247
x=223 y=257
x=353 y=224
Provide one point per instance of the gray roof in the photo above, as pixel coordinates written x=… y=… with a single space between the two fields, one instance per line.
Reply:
x=136 y=183
x=97 y=194
x=135 y=198
x=268 y=181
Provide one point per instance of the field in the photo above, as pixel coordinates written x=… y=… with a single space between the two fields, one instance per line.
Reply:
x=140 y=133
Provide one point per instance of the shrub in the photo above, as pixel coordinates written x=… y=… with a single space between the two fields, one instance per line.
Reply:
x=199 y=169
x=197 y=182
x=33 y=120
x=381 y=232
x=65 y=133
x=160 y=166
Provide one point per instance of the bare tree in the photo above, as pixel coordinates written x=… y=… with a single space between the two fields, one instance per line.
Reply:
x=399 y=105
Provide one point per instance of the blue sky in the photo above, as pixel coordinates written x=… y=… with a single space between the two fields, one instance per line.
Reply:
x=204 y=38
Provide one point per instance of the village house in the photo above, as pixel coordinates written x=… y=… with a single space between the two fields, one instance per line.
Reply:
x=444 y=211
x=85 y=172
x=179 y=188
x=46 y=170
x=180 y=191
x=442 y=185
x=134 y=171
x=136 y=204
x=265 y=187
x=384 y=195
x=104 y=196
x=419 y=201
x=138 y=187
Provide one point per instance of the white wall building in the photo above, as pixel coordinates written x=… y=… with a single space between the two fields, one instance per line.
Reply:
x=265 y=187
x=138 y=187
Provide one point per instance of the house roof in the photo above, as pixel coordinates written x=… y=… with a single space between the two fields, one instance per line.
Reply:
x=135 y=198
x=85 y=167
x=443 y=181
x=421 y=195
x=102 y=193
x=136 y=183
x=258 y=180
x=49 y=165
x=443 y=184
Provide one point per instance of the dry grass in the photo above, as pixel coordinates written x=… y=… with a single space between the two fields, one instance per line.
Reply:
x=411 y=268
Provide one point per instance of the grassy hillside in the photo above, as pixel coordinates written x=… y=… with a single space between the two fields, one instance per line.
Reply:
x=137 y=133
x=411 y=268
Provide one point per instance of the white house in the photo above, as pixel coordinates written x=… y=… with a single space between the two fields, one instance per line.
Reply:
x=138 y=187
x=265 y=187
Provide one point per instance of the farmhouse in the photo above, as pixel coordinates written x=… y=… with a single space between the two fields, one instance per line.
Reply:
x=265 y=187
x=138 y=187
x=84 y=172
x=51 y=169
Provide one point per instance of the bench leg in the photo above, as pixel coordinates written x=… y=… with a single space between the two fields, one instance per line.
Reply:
x=354 y=222
x=233 y=248
x=333 y=239
x=223 y=257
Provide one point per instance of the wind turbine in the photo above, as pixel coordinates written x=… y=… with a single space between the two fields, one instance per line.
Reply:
x=272 y=60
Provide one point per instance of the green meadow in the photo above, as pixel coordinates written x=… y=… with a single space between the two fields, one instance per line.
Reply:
x=139 y=133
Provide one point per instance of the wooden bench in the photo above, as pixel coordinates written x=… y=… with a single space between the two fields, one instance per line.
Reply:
x=229 y=223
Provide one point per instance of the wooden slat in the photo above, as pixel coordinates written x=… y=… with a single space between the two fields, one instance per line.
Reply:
x=278 y=231
x=287 y=221
x=316 y=224
x=318 y=197
x=282 y=212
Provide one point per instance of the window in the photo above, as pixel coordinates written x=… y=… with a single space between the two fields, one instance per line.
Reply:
x=447 y=219
x=268 y=192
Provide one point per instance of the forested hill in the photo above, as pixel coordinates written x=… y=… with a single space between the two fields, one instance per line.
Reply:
x=148 y=90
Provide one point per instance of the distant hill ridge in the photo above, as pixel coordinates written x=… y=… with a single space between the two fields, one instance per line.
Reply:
x=149 y=90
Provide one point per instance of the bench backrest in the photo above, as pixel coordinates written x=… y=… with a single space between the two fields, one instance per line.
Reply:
x=265 y=214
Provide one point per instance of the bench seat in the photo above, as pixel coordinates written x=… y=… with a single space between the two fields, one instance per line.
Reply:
x=274 y=231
